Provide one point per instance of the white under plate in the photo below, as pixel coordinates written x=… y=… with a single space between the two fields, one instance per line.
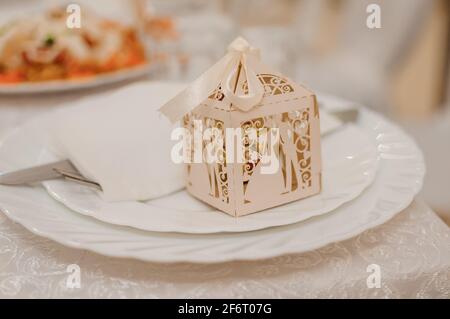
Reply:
x=349 y=166
x=398 y=180
x=69 y=85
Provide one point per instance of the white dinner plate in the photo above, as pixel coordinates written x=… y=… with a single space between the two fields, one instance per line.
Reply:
x=349 y=166
x=70 y=85
x=398 y=180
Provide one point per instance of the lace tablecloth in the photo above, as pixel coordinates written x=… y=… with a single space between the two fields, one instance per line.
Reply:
x=407 y=257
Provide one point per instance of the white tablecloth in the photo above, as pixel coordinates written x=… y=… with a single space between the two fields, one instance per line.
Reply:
x=411 y=252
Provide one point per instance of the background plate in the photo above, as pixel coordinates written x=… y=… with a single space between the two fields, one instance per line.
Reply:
x=70 y=85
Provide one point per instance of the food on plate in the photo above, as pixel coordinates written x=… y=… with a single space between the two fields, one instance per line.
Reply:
x=43 y=48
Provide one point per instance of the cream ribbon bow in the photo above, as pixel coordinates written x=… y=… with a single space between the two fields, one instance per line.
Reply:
x=222 y=73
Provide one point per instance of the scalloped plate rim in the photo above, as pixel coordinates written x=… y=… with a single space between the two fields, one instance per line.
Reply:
x=417 y=174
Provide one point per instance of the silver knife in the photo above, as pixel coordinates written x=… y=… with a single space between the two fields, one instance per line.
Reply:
x=62 y=169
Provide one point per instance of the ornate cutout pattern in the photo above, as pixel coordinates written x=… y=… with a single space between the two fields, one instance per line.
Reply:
x=250 y=147
x=293 y=150
x=273 y=85
x=217 y=172
x=217 y=94
x=300 y=123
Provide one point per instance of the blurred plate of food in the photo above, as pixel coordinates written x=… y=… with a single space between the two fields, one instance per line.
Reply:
x=40 y=53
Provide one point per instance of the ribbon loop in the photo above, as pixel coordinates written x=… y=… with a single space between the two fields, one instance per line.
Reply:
x=240 y=55
x=241 y=45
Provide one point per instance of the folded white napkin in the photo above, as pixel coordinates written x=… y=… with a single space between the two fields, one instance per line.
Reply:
x=121 y=141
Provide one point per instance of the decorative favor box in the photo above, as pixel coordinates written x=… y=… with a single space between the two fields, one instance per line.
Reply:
x=248 y=95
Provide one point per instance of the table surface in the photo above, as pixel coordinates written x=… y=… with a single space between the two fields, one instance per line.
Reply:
x=408 y=257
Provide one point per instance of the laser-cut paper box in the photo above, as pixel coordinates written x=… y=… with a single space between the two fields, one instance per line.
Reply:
x=240 y=188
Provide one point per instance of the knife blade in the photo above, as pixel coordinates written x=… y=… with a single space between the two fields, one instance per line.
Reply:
x=60 y=169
